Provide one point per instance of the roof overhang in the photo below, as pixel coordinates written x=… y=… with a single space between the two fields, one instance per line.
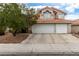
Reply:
x=75 y=22
x=54 y=21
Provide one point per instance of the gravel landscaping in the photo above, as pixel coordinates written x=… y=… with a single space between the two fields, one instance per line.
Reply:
x=13 y=39
x=76 y=35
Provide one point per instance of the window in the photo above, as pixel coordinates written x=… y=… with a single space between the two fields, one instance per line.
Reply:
x=61 y=16
x=47 y=15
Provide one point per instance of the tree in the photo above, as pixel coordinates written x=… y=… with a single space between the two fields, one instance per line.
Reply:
x=11 y=16
x=2 y=20
x=31 y=17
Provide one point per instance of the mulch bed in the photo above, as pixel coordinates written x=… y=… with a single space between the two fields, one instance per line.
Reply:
x=14 y=39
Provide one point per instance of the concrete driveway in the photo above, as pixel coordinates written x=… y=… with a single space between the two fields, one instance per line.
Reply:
x=51 y=39
x=43 y=44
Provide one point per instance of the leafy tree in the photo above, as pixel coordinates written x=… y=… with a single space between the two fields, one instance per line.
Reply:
x=2 y=20
x=31 y=17
x=11 y=16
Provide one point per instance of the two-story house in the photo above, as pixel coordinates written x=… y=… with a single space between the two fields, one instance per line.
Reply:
x=51 y=20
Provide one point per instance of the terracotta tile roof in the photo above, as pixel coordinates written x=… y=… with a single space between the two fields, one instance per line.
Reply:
x=75 y=22
x=58 y=10
x=51 y=8
x=53 y=21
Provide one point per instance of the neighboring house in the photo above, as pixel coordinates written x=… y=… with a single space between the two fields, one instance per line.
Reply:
x=51 y=20
x=75 y=26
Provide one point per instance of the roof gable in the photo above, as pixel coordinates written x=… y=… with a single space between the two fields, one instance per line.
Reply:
x=51 y=8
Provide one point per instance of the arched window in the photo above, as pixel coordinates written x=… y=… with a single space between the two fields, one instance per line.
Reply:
x=47 y=15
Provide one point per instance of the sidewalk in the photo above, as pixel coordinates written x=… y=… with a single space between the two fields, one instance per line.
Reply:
x=39 y=49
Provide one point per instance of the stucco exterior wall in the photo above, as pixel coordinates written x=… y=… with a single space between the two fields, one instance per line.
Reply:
x=69 y=28
x=75 y=28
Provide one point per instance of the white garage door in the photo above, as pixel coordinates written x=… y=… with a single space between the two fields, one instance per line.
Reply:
x=43 y=28
x=50 y=28
x=61 y=28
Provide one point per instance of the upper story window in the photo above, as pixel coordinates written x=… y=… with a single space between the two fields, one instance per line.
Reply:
x=47 y=15
x=61 y=16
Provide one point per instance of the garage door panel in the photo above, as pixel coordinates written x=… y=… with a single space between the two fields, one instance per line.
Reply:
x=61 y=28
x=43 y=28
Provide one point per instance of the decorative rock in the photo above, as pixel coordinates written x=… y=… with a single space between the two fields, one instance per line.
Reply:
x=8 y=36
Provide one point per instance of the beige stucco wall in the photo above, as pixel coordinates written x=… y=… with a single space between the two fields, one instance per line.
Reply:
x=75 y=29
x=69 y=28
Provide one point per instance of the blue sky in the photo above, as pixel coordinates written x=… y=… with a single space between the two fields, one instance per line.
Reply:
x=72 y=9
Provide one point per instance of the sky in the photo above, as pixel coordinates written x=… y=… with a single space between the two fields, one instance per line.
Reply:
x=72 y=9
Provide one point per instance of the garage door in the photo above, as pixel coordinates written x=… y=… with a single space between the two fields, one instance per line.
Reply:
x=61 y=28
x=43 y=28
